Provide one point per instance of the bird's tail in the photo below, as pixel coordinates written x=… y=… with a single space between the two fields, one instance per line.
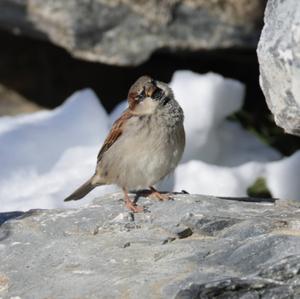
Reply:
x=82 y=191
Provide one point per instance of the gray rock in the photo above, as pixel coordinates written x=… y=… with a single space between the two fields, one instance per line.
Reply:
x=279 y=60
x=192 y=247
x=12 y=103
x=126 y=32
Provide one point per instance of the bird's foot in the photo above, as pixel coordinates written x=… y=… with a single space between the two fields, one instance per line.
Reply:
x=159 y=196
x=134 y=207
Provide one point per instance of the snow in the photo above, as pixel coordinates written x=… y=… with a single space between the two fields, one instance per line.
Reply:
x=283 y=177
x=216 y=180
x=46 y=155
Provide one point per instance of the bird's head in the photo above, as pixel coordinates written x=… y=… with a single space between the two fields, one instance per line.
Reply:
x=146 y=94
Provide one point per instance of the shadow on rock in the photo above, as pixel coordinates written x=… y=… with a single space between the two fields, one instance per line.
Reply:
x=4 y=230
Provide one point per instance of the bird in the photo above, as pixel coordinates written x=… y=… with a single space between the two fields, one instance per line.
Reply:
x=144 y=144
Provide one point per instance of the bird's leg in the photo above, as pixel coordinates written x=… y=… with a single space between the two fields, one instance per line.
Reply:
x=132 y=206
x=161 y=197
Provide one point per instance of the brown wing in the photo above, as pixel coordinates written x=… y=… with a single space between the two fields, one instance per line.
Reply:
x=115 y=133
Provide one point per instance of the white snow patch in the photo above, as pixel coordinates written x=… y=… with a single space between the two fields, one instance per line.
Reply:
x=216 y=180
x=283 y=177
x=46 y=155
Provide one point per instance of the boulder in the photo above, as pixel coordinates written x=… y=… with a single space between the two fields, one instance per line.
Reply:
x=193 y=247
x=12 y=103
x=279 y=61
x=127 y=32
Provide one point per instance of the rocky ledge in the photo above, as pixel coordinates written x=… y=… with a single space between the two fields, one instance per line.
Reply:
x=193 y=247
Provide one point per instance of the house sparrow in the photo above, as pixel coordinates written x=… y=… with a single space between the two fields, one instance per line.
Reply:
x=144 y=145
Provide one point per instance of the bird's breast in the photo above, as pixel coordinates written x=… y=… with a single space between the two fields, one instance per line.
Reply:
x=148 y=149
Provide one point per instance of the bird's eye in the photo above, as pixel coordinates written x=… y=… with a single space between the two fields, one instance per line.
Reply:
x=158 y=94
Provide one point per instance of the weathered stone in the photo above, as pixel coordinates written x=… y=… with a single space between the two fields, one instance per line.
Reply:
x=281 y=280
x=237 y=249
x=279 y=59
x=126 y=32
x=11 y=103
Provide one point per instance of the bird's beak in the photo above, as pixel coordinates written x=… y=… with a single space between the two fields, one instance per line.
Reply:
x=151 y=91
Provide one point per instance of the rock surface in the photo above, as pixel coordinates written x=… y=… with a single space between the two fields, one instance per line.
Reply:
x=192 y=247
x=12 y=103
x=126 y=32
x=279 y=59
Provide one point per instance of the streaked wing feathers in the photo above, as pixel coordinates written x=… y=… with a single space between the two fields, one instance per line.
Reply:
x=115 y=133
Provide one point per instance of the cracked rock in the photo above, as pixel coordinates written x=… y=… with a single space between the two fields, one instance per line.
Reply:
x=237 y=249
